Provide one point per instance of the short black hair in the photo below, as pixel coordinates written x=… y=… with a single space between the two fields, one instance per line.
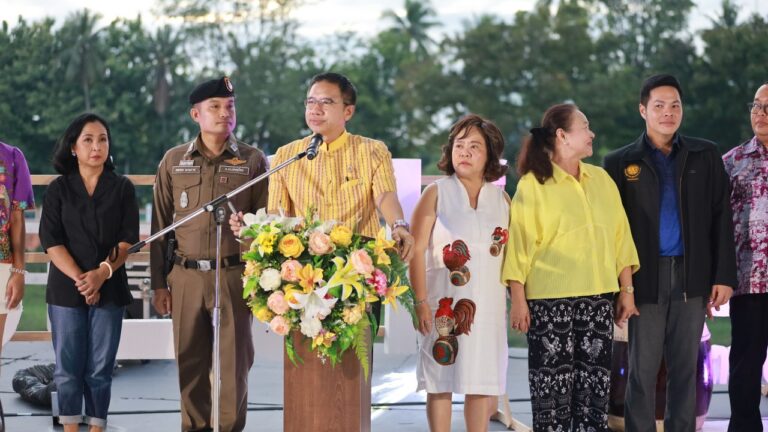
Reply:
x=63 y=161
x=655 y=81
x=348 y=91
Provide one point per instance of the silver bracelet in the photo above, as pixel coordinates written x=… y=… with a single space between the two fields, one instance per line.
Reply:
x=401 y=223
x=418 y=302
x=20 y=271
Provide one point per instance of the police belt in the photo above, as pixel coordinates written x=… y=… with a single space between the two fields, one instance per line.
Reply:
x=206 y=265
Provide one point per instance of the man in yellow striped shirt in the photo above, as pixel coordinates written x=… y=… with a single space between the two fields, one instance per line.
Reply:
x=352 y=175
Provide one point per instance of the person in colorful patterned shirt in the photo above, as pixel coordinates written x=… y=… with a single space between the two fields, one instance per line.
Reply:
x=15 y=197
x=747 y=167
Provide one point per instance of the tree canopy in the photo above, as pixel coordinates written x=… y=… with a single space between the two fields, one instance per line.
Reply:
x=412 y=82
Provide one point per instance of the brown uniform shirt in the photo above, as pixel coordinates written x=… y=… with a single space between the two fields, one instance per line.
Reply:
x=186 y=180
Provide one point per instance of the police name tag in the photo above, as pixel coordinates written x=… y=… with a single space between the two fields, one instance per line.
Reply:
x=185 y=170
x=240 y=170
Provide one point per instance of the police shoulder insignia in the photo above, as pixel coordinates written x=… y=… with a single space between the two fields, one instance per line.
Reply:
x=632 y=172
x=235 y=161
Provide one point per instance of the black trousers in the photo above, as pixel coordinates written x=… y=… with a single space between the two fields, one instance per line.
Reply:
x=569 y=362
x=749 y=334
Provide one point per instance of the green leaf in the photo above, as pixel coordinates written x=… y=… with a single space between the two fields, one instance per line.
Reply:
x=290 y=350
x=360 y=345
x=335 y=291
x=250 y=286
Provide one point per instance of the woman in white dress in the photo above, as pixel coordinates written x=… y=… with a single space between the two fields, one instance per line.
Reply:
x=459 y=230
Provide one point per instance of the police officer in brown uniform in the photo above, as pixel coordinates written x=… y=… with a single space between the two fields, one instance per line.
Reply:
x=188 y=176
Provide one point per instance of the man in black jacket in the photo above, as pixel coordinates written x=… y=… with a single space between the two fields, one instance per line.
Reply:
x=676 y=194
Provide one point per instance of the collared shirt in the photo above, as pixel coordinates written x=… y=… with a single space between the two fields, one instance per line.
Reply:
x=187 y=179
x=670 y=231
x=747 y=167
x=568 y=237
x=89 y=227
x=341 y=183
x=15 y=194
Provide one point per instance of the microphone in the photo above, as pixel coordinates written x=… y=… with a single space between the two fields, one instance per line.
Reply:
x=314 y=143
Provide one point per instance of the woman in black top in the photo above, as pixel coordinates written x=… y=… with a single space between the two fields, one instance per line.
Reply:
x=89 y=219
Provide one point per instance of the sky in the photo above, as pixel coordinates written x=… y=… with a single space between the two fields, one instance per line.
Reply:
x=323 y=17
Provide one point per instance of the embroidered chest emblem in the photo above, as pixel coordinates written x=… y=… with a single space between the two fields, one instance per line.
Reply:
x=449 y=323
x=235 y=161
x=632 y=172
x=499 y=239
x=455 y=256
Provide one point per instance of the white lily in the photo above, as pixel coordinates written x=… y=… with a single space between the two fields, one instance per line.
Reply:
x=261 y=217
x=314 y=304
x=326 y=226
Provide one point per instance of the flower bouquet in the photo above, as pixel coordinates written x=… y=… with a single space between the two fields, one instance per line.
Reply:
x=319 y=278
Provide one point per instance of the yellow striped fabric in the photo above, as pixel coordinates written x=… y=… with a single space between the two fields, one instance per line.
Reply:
x=341 y=183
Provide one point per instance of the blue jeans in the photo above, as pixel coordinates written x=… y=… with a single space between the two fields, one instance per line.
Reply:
x=85 y=341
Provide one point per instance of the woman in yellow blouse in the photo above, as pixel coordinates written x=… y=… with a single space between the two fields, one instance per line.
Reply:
x=570 y=250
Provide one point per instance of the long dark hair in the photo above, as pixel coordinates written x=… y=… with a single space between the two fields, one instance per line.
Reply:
x=494 y=145
x=535 y=156
x=63 y=161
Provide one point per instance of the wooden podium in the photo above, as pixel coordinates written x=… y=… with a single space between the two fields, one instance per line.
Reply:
x=322 y=398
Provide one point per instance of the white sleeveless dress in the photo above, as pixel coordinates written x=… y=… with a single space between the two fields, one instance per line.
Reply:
x=481 y=363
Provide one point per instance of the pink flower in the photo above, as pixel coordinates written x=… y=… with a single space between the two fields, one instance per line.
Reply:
x=379 y=281
x=276 y=303
x=362 y=262
x=289 y=271
x=320 y=243
x=280 y=326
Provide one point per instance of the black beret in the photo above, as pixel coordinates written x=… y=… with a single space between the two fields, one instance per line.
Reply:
x=220 y=87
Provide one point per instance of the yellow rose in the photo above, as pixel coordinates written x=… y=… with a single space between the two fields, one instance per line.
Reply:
x=290 y=246
x=252 y=268
x=352 y=315
x=263 y=314
x=341 y=235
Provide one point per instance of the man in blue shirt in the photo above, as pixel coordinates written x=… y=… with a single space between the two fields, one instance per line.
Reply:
x=675 y=191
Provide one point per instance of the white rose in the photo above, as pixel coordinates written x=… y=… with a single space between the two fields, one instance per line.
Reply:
x=310 y=327
x=270 y=279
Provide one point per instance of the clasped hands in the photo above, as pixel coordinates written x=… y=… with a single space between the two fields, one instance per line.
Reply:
x=89 y=284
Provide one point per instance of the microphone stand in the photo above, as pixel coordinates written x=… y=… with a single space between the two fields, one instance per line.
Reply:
x=215 y=206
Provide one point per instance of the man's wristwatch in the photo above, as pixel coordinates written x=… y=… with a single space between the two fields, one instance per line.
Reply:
x=628 y=289
x=401 y=223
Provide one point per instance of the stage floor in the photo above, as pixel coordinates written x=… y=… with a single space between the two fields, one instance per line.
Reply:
x=145 y=396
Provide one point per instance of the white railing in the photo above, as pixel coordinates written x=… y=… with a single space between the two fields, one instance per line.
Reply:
x=149 y=338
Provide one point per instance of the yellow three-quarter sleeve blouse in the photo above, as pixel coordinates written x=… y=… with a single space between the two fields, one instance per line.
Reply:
x=568 y=237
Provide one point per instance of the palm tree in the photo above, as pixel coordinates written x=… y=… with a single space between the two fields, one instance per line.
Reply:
x=415 y=24
x=82 y=60
x=165 y=57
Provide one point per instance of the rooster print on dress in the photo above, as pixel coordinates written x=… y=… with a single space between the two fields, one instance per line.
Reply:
x=449 y=323
x=499 y=239
x=455 y=256
x=592 y=349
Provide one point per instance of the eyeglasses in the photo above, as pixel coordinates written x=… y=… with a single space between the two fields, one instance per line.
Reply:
x=756 y=107
x=322 y=103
